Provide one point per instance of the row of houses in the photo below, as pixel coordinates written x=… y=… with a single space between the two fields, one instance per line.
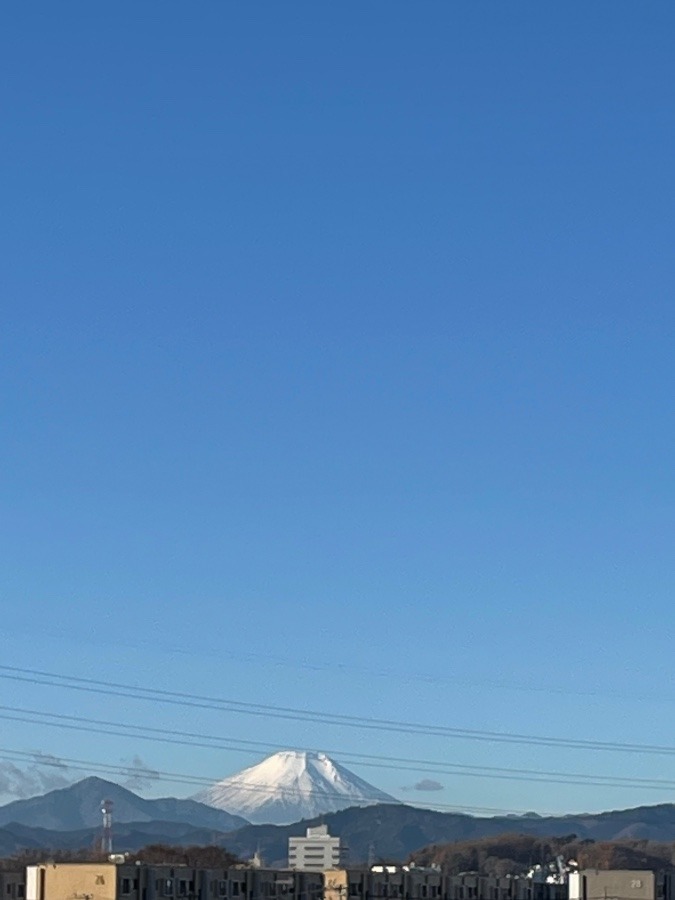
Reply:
x=110 y=881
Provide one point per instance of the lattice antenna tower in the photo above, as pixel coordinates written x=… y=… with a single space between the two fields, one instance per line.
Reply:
x=106 y=836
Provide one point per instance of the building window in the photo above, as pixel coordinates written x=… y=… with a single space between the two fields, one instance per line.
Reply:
x=126 y=886
x=222 y=889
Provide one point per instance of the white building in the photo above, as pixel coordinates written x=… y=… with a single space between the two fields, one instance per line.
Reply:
x=316 y=851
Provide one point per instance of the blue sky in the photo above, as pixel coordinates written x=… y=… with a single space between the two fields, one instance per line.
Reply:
x=336 y=361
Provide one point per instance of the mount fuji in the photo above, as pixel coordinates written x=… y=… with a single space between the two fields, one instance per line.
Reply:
x=291 y=785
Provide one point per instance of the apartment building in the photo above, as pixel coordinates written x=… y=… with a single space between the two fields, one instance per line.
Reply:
x=397 y=882
x=13 y=885
x=84 y=881
x=317 y=851
x=620 y=884
x=422 y=883
x=473 y=886
x=106 y=881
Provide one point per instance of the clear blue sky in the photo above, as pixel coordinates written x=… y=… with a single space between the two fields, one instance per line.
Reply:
x=337 y=373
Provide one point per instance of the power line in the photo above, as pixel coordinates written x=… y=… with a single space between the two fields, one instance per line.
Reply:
x=156 y=695
x=394 y=673
x=404 y=764
x=193 y=780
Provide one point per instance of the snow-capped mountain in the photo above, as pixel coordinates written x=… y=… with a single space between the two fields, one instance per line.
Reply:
x=291 y=785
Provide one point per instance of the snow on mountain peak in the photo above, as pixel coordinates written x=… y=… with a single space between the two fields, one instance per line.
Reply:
x=291 y=785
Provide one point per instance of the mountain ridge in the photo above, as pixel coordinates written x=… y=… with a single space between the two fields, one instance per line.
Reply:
x=78 y=806
x=398 y=832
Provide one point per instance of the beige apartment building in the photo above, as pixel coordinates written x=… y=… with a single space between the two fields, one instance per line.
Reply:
x=84 y=881
x=620 y=884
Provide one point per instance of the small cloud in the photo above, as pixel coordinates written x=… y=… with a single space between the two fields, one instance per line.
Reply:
x=426 y=784
x=138 y=774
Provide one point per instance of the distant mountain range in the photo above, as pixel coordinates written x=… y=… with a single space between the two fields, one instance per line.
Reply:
x=79 y=807
x=284 y=788
x=291 y=785
x=396 y=831
x=69 y=819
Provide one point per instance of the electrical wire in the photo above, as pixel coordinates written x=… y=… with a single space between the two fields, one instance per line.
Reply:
x=193 y=780
x=404 y=764
x=328 y=665
x=156 y=695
